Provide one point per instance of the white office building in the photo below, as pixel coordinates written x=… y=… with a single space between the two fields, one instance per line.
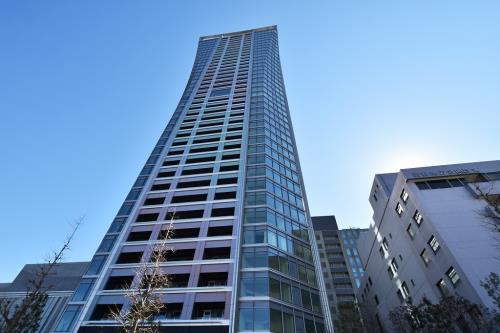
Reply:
x=429 y=237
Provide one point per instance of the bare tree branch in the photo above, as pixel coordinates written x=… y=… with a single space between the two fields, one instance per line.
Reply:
x=145 y=304
x=24 y=317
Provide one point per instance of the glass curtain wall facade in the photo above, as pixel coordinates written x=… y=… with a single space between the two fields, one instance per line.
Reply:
x=225 y=174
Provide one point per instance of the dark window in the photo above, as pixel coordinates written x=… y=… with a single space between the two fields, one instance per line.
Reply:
x=224 y=195
x=227 y=181
x=180 y=233
x=177 y=281
x=171 y=162
x=138 y=236
x=217 y=253
x=229 y=167
x=147 y=217
x=436 y=184
x=212 y=131
x=170 y=311
x=180 y=255
x=206 y=140
x=159 y=187
x=187 y=214
x=197 y=183
x=212 y=279
x=208 y=310
x=230 y=157
x=220 y=231
x=105 y=311
x=202 y=149
x=154 y=201
x=200 y=159
x=218 y=212
x=129 y=257
x=189 y=198
x=119 y=282
x=166 y=174
x=232 y=146
x=422 y=185
x=196 y=171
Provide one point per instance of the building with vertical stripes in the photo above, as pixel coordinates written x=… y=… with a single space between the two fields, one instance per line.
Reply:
x=225 y=172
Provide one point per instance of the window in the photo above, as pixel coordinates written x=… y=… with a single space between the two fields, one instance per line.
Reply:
x=399 y=209
x=68 y=318
x=83 y=290
x=434 y=244
x=186 y=214
x=425 y=257
x=160 y=187
x=385 y=244
x=195 y=183
x=118 y=282
x=390 y=272
x=404 y=196
x=212 y=279
x=219 y=212
x=189 y=198
x=104 y=311
x=220 y=92
x=129 y=257
x=220 y=231
x=376 y=299
x=410 y=231
x=154 y=201
x=405 y=290
x=394 y=265
x=453 y=276
x=442 y=287
x=417 y=217
x=217 y=253
x=145 y=217
x=107 y=243
x=96 y=265
x=137 y=236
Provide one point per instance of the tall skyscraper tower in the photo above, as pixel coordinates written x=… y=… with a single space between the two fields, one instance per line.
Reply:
x=226 y=171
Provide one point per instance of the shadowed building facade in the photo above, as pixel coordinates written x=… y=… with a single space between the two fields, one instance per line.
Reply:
x=226 y=172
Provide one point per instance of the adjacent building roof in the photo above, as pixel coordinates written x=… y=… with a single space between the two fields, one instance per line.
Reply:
x=64 y=277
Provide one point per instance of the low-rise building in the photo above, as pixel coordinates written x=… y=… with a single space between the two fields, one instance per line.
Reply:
x=430 y=237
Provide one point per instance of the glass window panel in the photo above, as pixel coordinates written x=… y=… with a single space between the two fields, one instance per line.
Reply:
x=83 y=290
x=288 y=325
x=261 y=287
x=96 y=265
x=246 y=287
x=67 y=319
x=310 y=326
x=246 y=320
x=276 y=324
x=274 y=288
x=286 y=292
x=299 y=325
x=296 y=297
x=306 y=299
x=261 y=319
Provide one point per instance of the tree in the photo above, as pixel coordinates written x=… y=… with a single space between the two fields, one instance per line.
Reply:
x=24 y=316
x=491 y=213
x=453 y=313
x=144 y=302
x=492 y=286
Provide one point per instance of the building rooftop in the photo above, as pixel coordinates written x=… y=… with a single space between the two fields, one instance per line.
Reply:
x=64 y=277
x=327 y=222
x=270 y=27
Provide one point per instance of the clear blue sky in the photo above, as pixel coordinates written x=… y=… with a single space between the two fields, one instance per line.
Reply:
x=374 y=86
